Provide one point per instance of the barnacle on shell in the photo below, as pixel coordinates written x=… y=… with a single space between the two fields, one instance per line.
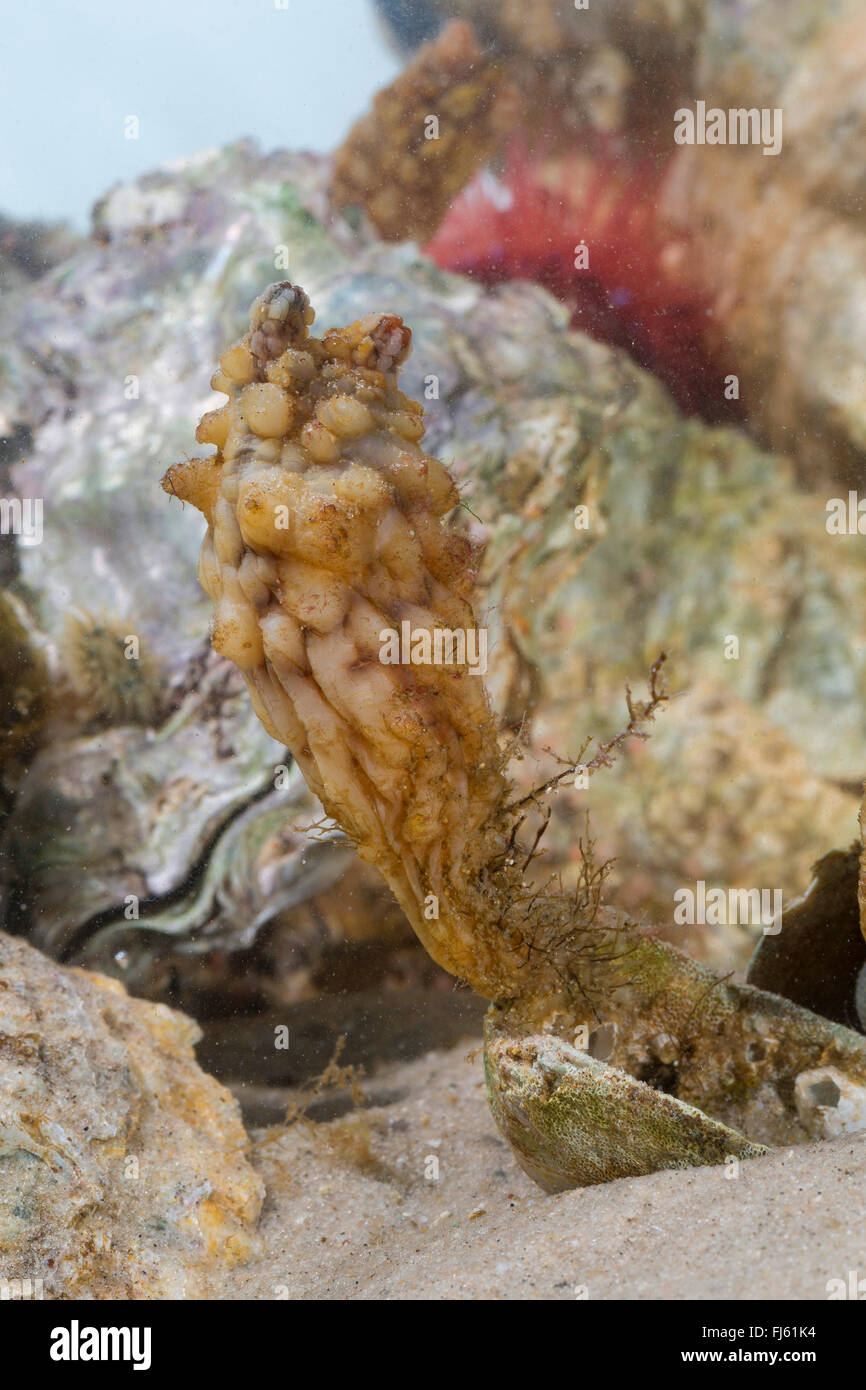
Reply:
x=113 y=680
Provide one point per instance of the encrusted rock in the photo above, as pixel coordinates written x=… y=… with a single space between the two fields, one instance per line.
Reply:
x=426 y=134
x=123 y=1166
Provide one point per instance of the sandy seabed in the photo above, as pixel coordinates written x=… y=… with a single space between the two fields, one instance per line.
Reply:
x=354 y=1210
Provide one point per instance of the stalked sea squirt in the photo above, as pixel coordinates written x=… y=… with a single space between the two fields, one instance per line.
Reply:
x=607 y=1052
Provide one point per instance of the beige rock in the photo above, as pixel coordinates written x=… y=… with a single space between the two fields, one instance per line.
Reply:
x=123 y=1166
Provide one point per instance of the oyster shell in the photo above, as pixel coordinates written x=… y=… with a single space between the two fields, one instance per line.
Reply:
x=696 y=1070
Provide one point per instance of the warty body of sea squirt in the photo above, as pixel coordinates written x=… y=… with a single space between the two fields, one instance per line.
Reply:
x=325 y=531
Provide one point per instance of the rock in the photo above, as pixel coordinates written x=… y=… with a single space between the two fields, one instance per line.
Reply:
x=776 y=246
x=829 y=1103
x=124 y=1168
x=30 y=249
x=783 y=251
x=818 y=957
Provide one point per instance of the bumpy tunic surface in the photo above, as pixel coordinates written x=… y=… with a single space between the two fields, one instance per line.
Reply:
x=326 y=552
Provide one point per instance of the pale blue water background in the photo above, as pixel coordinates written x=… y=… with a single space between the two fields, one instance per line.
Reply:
x=196 y=73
